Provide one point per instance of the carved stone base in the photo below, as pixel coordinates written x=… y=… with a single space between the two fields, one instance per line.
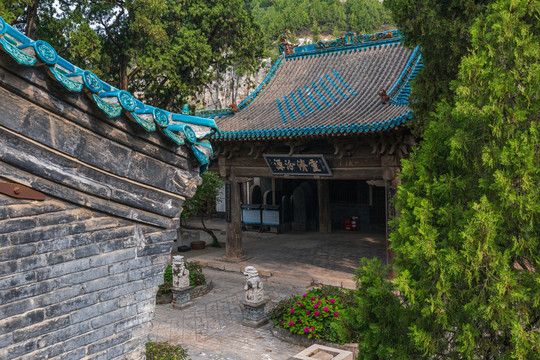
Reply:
x=181 y=297
x=254 y=315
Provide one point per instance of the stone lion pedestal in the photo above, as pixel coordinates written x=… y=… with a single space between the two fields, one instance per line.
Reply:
x=254 y=302
x=181 y=290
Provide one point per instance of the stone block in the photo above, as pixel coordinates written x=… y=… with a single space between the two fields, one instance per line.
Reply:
x=118 y=291
x=254 y=314
x=66 y=307
x=113 y=257
x=17 y=252
x=111 y=282
x=64 y=268
x=23 y=292
x=108 y=343
x=321 y=352
x=31 y=332
x=181 y=297
x=8 y=226
x=58 y=257
x=20 y=321
x=93 y=311
x=86 y=251
x=15 y=308
x=16 y=280
x=83 y=276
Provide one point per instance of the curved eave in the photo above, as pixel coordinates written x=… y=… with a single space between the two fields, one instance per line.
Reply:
x=319 y=131
x=112 y=101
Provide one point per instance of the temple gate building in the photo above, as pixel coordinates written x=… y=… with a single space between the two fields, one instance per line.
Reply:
x=321 y=137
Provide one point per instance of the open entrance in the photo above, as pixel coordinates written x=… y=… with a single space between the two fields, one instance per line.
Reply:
x=358 y=202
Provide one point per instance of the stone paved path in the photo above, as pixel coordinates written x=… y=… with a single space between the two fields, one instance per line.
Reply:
x=291 y=262
x=211 y=327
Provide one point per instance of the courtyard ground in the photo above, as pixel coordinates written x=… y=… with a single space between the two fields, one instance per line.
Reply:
x=289 y=264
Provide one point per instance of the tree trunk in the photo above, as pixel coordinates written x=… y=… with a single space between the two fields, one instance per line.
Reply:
x=31 y=19
x=123 y=75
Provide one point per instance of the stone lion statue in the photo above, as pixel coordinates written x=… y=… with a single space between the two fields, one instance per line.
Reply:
x=180 y=273
x=254 y=286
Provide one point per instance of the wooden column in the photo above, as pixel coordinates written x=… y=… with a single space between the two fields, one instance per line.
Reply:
x=274 y=191
x=325 y=223
x=233 y=250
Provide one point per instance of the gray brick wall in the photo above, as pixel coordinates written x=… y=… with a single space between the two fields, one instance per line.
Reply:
x=79 y=271
x=75 y=283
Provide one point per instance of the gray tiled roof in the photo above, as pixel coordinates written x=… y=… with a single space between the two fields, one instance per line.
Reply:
x=333 y=90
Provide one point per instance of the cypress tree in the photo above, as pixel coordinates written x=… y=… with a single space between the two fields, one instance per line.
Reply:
x=468 y=235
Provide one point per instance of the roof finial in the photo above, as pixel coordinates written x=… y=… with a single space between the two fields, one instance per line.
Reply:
x=384 y=96
x=285 y=46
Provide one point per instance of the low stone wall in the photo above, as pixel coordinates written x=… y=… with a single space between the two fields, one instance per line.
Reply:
x=201 y=290
x=287 y=336
x=196 y=292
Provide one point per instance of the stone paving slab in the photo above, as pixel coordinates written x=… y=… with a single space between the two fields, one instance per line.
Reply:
x=211 y=327
x=289 y=264
x=328 y=259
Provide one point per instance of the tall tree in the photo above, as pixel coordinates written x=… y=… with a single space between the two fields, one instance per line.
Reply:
x=203 y=203
x=164 y=50
x=441 y=29
x=468 y=235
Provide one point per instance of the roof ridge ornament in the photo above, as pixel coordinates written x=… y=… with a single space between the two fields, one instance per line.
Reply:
x=285 y=46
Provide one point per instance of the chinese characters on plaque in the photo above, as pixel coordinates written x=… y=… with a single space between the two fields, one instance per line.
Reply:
x=298 y=165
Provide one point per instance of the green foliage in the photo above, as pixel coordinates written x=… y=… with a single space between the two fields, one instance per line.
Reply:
x=441 y=28
x=378 y=321
x=317 y=16
x=10 y=10
x=165 y=288
x=204 y=200
x=165 y=51
x=167 y=275
x=468 y=235
x=165 y=351
x=312 y=314
x=196 y=276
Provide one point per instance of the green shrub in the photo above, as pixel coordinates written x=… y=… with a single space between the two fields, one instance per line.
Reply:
x=167 y=276
x=312 y=314
x=165 y=351
x=378 y=320
x=165 y=288
x=196 y=276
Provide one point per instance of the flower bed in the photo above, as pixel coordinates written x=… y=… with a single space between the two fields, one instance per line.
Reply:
x=312 y=314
